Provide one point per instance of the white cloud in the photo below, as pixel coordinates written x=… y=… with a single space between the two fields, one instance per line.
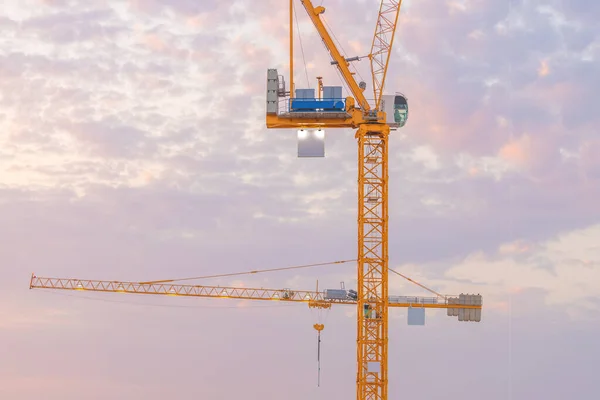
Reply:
x=133 y=146
x=566 y=269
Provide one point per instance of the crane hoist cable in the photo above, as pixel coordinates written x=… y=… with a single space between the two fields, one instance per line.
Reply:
x=416 y=283
x=331 y=57
x=319 y=328
x=301 y=47
x=258 y=271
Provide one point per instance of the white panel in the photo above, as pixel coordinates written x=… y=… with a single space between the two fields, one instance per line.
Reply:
x=387 y=105
x=272 y=86
x=311 y=143
x=416 y=316
x=455 y=310
x=335 y=294
x=479 y=302
x=332 y=92
x=468 y=311
x=305 y=93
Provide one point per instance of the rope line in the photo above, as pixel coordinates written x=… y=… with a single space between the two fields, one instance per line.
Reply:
x=259 y=271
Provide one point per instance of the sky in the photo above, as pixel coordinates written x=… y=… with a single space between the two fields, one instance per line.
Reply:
x=133 y=147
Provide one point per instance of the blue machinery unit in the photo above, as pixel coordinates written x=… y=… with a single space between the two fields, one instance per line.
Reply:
x=396 y=106
x=305 y=100
x=323 y=105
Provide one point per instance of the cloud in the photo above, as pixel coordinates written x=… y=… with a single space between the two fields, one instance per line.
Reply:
x=565 y=270
x=160 y=116
x=133 y=147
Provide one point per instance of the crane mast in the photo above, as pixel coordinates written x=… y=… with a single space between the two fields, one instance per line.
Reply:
x=372 y=136
x=372 y=330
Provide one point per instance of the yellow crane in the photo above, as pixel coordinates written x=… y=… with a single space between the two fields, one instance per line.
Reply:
x=373 y=124
x=465 y=307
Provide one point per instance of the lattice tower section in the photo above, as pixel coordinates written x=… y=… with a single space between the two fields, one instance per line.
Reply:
x=382 y=44
x=372 y=262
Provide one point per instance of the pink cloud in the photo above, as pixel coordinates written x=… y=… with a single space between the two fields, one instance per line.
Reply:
x=145 y=157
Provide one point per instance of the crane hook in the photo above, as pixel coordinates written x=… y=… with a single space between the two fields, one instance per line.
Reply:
x=319 y=328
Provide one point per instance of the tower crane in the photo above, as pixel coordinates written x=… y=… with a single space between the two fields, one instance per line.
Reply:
x=303 y=111
x=464 y=306
x=373 y=123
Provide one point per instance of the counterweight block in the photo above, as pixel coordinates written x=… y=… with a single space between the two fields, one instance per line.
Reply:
x=469 y=314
